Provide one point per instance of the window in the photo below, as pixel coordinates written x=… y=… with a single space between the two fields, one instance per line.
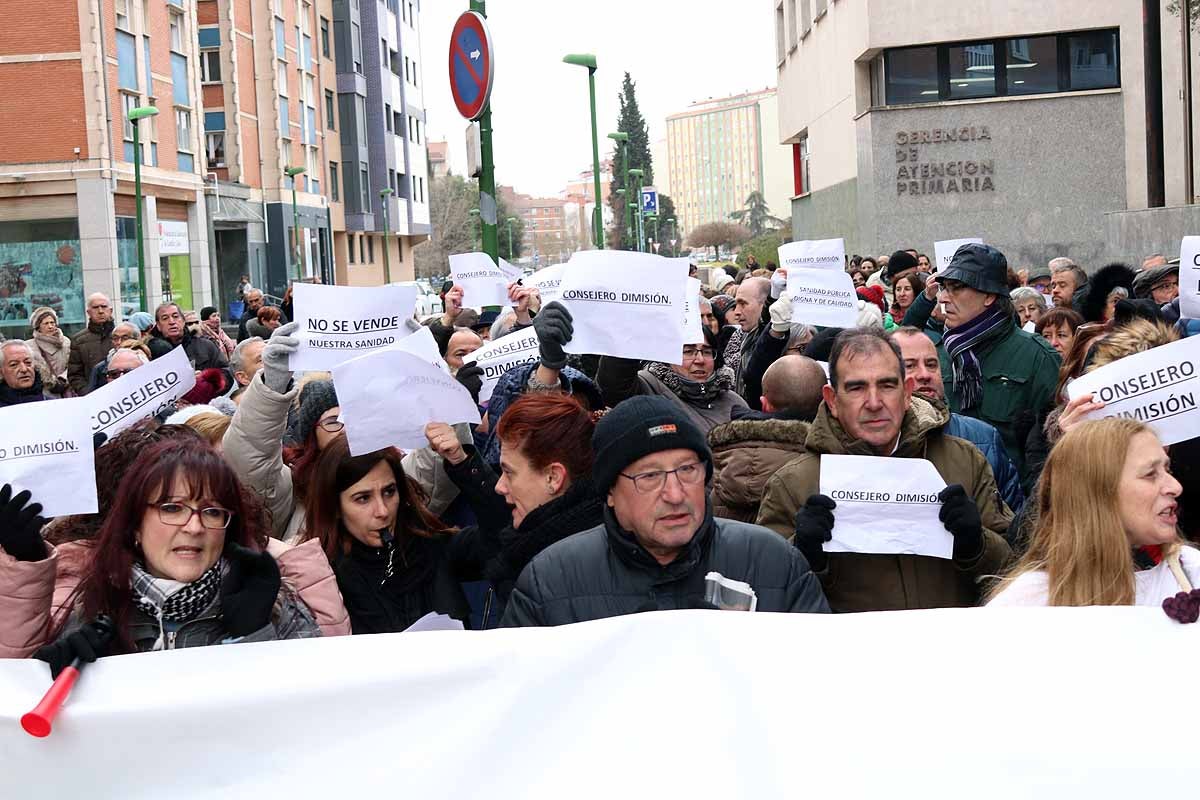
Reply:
x=1093 y=59
x=392 y=180
x=334 y=184
x=356 y=46
x=384 y=51
x=805 y=17
x=407 y=69
x=912 y=75
x=285 y=129
x=214 y=149
x=128 y=103
x=822 y=6
x=387 y=117
x=122 y=11
x=780 y=35
x=210 y=66
x=362 y=250
x=364 y=187
x=324 y=37
x=329 y=112
x=414 y=72
x=793 y=17
x=1032 y=65
x=183 y=129
x=805 y=175
x=281 y=75
x=350 y=241
x=972 y=70
x=370 y=248
x=127 y=77
x=280 y=39
x=176 y=27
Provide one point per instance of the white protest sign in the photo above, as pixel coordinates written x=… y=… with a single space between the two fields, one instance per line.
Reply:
x=143 y=393
x=814 y=254
x=482 y=281
x=944 y=251
x=626 y=304
x=424 y=346
x=46 y=448
x=513 y=274
x=1189 y=277
x=338 y=323
x=501 y=355
x=546 y=281
x=823 y=297
x=1159 y=387
x=885 y=505
x=1029 y=327
x=693 y=321
x=389 y=396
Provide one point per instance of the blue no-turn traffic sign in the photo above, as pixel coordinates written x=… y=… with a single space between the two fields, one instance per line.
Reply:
x=472 y=68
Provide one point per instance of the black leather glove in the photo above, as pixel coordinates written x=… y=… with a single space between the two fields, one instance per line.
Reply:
x=90 y=642
x=20 y=526
x=554 y=329
x=249 y=590
x=814 y=527
x=960 y=515
x=471 y=377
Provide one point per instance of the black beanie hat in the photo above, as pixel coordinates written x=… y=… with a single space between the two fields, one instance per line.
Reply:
x=900 y=261
x=637 y=427
x=316 y=398
x=207 y=312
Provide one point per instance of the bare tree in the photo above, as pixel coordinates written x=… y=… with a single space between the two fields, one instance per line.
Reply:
x=716 y=234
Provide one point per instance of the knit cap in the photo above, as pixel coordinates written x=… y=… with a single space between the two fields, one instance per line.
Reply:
x=316 y=398
x=637 y=427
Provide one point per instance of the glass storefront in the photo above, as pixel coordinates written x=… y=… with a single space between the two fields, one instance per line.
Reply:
x=127 y=260
x=40 y=265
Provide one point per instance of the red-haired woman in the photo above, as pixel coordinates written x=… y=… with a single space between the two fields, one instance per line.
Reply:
x=178 y=563
x=544 y=492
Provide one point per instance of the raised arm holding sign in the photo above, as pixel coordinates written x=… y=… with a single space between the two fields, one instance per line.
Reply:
x=822 y=292
x=47 y=449
x=338 y=323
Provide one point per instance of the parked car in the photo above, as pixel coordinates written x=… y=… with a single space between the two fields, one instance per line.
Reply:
x=428 y=303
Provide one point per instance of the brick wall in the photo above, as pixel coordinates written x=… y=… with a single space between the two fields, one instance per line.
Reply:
x=41 y=112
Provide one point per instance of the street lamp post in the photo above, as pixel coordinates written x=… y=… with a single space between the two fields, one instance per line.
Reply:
x=385 y=195
x=293 y=173
x=641 y=233
x=622 y=140
x=135 y=117
x=674 y=237
x=589 y=61
x=510 y=221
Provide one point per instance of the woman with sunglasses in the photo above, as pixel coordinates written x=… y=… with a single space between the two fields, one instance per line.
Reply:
x=178 y=563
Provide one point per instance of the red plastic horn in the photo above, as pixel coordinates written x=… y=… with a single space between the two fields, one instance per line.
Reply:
x=40 y=720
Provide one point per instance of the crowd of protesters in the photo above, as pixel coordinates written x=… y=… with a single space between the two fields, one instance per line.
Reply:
x=599 y=486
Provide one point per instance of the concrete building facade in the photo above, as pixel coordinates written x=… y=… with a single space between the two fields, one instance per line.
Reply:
x=1024 y=123
x=719 y=152
x=69 y=73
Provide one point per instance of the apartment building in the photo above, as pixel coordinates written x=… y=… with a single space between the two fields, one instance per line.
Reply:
x=1047 y=129
x=721 y=150
x=69 y=75
x=384 y=166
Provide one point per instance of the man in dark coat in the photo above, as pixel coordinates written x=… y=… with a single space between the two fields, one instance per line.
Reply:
x=91 y=345
x=21 y=382
x=659 y=539
x=170 y=332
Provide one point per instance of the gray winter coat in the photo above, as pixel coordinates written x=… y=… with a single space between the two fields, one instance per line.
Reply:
x=604 y=572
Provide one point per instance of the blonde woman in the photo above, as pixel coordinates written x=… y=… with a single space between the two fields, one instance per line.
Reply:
x=1106 y=534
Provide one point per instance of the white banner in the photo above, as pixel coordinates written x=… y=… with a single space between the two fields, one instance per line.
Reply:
x=501 y=355
x=897 y=708
x=944 y=251
x=46 y=448
x=140 y=394
x=814 y=254
x=482 y=281
x=1159 y=387
x=1189 y=277
x=546 y=281
x=389 y=396
x=823 y=297
x=625 y=304
x=338 y=323
x=693 y=321
x=885 y=505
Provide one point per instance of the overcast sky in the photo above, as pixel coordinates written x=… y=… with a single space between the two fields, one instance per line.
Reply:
x=684 y=51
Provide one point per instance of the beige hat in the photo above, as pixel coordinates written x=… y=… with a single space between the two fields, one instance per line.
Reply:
x=35 y=319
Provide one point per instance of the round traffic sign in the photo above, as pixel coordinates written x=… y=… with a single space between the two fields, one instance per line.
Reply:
x=472 y=68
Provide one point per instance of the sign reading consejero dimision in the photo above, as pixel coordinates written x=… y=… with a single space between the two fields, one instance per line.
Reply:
x=919 y=173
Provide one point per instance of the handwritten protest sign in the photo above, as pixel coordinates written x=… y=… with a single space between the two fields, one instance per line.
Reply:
x=482 y=281
x=813 y=254
x=389 y=396
x=143 y=393
x=501 y=355
x=47 y=449
x=885 y=505
x=1160 y=387
x=626 y=304
x=1189 y=277
x=944 y=251
x=338 y=323
x=546 y=281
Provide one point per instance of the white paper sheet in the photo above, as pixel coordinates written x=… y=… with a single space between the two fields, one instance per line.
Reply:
x=434 y=621
x=885 y=505
x=482 y=281
x=513 y=274
x=422 y=345
x=389 y=396
x=944 y=251
x=501 y=355
x=823 y=297
x=813 y=254
x=1189 y=277
x=46 y=448
x=693 y=322
x=142 y=393
x=338 y=323
x=1029 y=327
x=1160 y=387
x=626 y=304
x=546 y=281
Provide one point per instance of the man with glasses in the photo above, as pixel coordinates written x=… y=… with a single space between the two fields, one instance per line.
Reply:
x=121 y=363
x=91 y=345
x=659 y=539
x=1158 y=280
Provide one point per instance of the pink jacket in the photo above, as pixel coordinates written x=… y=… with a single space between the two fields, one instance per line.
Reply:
x=36 y=596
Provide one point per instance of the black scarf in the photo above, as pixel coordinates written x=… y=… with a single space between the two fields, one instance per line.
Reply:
x=692 y=391
x=11 y=397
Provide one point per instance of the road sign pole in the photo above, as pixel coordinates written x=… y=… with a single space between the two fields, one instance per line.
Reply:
x=487 y=175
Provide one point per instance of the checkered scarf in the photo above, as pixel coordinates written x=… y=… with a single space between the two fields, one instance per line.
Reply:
x=173 y=601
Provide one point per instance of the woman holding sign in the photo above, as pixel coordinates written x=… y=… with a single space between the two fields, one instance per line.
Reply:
x=1107 y=528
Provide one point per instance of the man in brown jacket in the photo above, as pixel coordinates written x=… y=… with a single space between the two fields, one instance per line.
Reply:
x=869 y=410
x=91 y=345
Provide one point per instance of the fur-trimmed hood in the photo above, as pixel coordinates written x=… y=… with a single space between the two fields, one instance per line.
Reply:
x=1095 y=297
x=1137 y=336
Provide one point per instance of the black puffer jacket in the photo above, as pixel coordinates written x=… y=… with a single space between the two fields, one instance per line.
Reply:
x=604 y=572
x=203 y=353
